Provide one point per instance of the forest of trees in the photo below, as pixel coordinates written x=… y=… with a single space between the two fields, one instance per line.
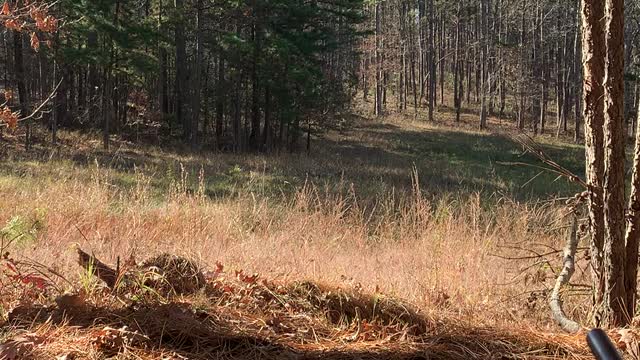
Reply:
x=249 y=75
x=262 y=75
x=515 y=59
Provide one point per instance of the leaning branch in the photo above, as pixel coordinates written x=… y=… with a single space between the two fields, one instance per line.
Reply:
x=568 y=268
x=530 y=145
x=39 y=108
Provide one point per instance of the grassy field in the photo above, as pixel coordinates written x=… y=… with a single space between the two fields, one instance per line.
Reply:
x=421 y=212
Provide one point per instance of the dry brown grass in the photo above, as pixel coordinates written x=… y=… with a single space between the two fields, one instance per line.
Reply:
x=444 y=255
x=429 y=254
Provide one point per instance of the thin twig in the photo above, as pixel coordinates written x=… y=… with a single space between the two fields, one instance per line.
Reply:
x=39 y=108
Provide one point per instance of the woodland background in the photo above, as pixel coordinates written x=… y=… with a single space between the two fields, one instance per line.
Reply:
x=398 y=177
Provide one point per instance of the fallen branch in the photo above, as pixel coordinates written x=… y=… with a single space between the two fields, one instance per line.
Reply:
x=99 y=269
x=568 y=267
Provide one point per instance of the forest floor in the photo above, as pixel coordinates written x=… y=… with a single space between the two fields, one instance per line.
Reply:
x=392 y=239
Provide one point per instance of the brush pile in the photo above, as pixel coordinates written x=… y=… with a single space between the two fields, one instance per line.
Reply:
x=220 y=314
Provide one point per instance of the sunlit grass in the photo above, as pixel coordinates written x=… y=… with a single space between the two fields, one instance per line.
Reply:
x=416 y=210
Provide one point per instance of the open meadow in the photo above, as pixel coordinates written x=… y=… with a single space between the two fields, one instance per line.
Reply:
x=441 y=219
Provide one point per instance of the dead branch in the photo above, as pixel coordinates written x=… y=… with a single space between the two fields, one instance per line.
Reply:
x=530 y=145
x=99 y=269
x=568 y=268
x=39 y=108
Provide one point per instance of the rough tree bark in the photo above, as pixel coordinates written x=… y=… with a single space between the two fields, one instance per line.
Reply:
x=614 y=202
x=632 y=236
x=593 y=50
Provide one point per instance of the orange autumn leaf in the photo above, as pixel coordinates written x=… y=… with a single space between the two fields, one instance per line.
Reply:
x=13 y=24
x=8 y=117
x=35 y=42
x=47 y=24
x=5 y=9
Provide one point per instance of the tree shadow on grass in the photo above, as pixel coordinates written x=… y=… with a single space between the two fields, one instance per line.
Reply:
x=376 y=157
x=455 y=162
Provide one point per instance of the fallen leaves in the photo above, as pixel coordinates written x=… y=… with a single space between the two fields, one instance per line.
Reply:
x=70 y=302
x=629 y=342
x=20 y=346
x=112 y=340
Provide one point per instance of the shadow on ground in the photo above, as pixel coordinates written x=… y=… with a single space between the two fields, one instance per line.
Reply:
x=180 y=329
x=375 y=157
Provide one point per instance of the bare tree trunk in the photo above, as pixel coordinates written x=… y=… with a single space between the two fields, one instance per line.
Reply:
x=197 y=71
x=163 y=78
x=632 y=236
x=522 y=59
x=422 y=46
x=20 y=83
x=220 y=105
x=432 y=60
x=614 y=249
x=456 y=65
x=577 y=98
x=559 y=81
x=484 y=61
x=593 y=50
x=254 y=136
x=181 y=73
x=378 y=16
x=536 y=69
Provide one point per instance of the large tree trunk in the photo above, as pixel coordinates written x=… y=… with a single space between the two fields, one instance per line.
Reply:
x=593 y=50
x=615 y=313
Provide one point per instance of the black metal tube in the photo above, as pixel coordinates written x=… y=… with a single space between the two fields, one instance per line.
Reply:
x=601 y=347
